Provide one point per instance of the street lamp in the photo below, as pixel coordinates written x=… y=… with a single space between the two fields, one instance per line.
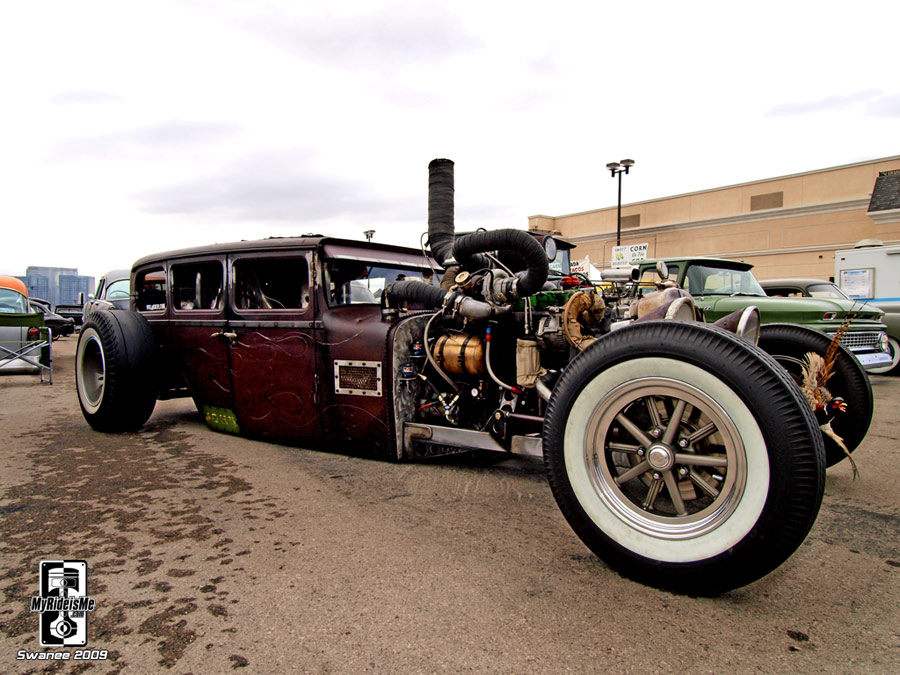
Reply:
x=368 y=234
x=617 y=169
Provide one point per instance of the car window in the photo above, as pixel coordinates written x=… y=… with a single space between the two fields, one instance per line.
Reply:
x=271 y=283
x=649 y=279
x=826 y=291
x=13 y=302
x=151 y=290
x=649 y=275
x=708 y=280
x=355 y=282
x=119 y=290
x=198 y=285
x=783 y=292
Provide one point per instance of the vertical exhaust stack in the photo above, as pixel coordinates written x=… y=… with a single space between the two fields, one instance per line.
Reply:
x=440 y=209
x=469 y=250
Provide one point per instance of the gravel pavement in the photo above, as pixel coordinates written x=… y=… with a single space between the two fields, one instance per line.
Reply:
x=209 y=553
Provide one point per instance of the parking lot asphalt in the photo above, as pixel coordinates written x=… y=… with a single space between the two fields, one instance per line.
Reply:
x=208 y=552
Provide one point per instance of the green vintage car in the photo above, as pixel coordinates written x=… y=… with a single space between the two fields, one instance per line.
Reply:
x=722 y=286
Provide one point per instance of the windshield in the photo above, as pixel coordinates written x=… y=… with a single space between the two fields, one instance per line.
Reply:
x=561 y=264
x=827 y=291
x=118 y=290
x=705 y=280
x=13 y=302
x=357 y=282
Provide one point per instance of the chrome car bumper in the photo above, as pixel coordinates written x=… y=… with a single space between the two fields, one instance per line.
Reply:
x=867 y=346
x=870 y=359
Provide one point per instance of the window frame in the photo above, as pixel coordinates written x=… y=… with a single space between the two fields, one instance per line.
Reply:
x=196 y=312
x=284 y=254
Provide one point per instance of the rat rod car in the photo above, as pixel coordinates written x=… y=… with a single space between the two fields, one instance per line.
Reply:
x=680 y=453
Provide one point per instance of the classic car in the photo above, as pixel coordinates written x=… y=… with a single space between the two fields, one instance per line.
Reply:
x=722 y=286
x=74 y=312
x=113 y=290
x=681 y=453
x=802 y=288
x=24 y=339
x=60 y=325
x=819 y=288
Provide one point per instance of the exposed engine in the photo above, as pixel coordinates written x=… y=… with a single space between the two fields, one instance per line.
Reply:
x=487 y=346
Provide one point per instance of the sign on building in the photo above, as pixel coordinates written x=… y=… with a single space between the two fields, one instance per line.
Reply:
x=628 y=255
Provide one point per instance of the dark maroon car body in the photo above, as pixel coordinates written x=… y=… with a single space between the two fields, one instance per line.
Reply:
x=267 y=371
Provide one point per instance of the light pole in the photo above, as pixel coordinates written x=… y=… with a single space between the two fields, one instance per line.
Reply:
x=617 y=169
x=368 y=234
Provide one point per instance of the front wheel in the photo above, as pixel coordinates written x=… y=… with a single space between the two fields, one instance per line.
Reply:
x=683 y=457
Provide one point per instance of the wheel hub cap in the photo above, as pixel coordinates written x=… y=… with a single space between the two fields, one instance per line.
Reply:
x=661 y=457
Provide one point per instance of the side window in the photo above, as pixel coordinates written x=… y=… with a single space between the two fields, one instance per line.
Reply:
x=151 y=290
x=271 y=283
x=693 y=280
x=197 y=285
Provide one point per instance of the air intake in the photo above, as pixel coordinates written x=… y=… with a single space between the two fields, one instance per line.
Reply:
x=357 y=378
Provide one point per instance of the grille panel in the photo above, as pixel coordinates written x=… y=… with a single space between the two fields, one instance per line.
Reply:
x=859 y=339
x=357 y=378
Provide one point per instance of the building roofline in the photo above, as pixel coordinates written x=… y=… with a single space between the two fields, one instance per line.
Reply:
x=725 y=187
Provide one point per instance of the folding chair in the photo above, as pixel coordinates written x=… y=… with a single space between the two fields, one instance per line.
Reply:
x=28 y=349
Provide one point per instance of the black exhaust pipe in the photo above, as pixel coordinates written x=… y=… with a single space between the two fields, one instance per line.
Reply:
x=440 y=210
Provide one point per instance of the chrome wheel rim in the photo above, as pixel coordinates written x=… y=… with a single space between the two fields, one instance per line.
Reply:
x=665 y=458
x=92 y=369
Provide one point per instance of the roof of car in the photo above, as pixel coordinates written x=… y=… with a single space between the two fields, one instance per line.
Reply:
x=721 y=262
x=791 y=282
x=13 y=284
x=276 y=243
x=117 y=274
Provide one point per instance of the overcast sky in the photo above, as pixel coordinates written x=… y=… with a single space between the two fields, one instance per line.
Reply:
x=130 y=128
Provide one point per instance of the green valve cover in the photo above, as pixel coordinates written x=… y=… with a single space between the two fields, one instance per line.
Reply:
x=544 y=299
x=221 y=419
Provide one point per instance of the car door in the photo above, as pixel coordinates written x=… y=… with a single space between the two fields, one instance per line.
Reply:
x=272 y=345
x=195 y=330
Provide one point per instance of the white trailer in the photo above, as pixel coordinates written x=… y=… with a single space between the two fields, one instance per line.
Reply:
x=872 y=274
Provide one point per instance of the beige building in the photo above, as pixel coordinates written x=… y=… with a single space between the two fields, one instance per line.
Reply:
x=788 y=226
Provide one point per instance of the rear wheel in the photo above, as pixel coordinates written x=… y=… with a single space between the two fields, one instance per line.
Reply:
x=789 y=343
x=115 y=370
x=683 y=457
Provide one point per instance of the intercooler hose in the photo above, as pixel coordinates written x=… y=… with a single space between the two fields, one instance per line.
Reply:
x=415 y=291
x=468 y=248
x=433 y=297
